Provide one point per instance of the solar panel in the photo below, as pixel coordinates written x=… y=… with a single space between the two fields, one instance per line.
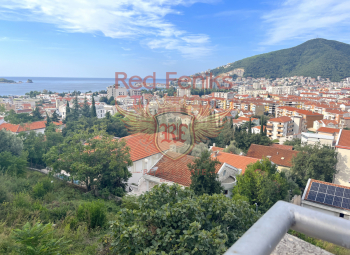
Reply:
x=331 y=190
x=329 y=195
x=339 y=192
x=314 y=186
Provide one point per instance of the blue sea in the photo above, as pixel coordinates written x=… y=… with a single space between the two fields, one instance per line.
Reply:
x=57 y=84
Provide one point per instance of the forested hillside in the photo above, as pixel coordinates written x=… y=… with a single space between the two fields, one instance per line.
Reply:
x=317 y=57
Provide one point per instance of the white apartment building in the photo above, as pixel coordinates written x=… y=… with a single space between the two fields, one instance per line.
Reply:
x=183 y=92
x=113 y=92
x=279 y=127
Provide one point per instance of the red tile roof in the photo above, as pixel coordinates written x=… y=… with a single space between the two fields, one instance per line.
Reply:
x=234 y=160
x=139 y=147
x=278 y=156
x=26 y=127
x=344 y=139
x=282 y=119
x=328 y=130
x=284 y=147
x=175 y=170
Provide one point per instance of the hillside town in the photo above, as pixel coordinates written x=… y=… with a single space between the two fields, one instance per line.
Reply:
x=315 y=112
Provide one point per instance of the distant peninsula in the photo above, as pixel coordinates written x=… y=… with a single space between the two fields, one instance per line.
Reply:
x=2 y=80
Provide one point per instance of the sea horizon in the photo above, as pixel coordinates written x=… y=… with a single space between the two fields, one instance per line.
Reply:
x=56 y=84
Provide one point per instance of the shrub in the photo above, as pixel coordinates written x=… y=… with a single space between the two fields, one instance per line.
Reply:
x=38 y=240
x=93 y=213
x=41 y=188
x=22 y=200
x=3 y=195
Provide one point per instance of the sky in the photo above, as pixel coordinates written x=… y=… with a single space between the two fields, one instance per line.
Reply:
x=90 y=38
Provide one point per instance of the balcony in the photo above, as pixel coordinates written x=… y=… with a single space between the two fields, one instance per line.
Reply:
x=279 y=125
x=280 y=130
x=263 y=237
x=269 y=128
x=279 y=135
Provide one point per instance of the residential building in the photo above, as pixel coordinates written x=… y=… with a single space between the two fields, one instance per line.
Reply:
x=324 y=123
x=281 y=157
x=170 y=171
x=328 y=198
x=38 y=127
x=312 y=138
x=308 y=116
x=183 y=92
x=143 y=153
x=114 y=92
x=280 y=127
x=342 y=147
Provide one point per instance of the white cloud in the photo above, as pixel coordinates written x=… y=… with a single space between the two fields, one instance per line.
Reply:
x=126 y=49
x=142 y=19
x=307 y=19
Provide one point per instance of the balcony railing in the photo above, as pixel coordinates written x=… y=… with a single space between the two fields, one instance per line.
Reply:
x=263 y=237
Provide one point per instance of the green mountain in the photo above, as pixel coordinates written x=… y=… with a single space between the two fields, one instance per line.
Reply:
x=317 y=57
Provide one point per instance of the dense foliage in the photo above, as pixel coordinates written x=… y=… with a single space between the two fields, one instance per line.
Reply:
x=204 y=180
x=244 y=139
x=47 y=216
x=317 y=57
x=172 y=220
x=262 y=185
x=95 y=158
x=314 y=161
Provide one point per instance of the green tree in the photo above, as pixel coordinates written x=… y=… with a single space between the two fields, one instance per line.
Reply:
x=85 y=111
x=294 y=142
x=198 y=149
x=262 y=125
x=110 y=100
x=95 y=158
x=93 y=108
x=68 y=113
x=250 y=126
x=172 y=220
x=14 y=118
x=75 y=109
x=204 y=179
x=38 y=240
x=48 y=120
x=10 y=142
x=34 y=145
x=54 y=117
x=233 y=149
x=36 y=114
x=11 y=164
x=315 y=162
x=263 y=185
x=104 y=100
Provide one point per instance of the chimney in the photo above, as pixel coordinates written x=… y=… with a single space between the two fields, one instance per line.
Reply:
x=213 y=144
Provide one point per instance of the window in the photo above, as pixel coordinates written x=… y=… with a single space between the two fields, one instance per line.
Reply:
x=226 y=192
x=341 y=215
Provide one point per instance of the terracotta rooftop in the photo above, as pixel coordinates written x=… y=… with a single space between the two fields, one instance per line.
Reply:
x=175 y=170
x=26 y=127
x=344 y=139
x=139 y=147
x=278 y=156
x=328 y=130
x=281 y=146
x=282 y=119
x=235 y=160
